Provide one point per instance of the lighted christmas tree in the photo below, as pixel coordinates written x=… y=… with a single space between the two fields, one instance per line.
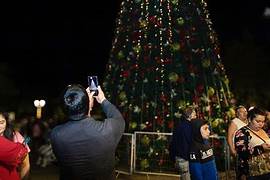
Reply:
x=165 y=56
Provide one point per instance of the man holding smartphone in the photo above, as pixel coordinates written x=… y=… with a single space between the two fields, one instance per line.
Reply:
x=85 y=148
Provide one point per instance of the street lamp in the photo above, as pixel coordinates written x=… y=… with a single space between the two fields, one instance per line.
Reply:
x=39 y=104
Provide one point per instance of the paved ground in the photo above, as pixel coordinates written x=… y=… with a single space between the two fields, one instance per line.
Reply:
x=51 y=173
x=48 y=173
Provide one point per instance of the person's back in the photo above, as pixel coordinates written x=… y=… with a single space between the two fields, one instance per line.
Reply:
x=85 y=148
x=182 y=137
x=180 y=144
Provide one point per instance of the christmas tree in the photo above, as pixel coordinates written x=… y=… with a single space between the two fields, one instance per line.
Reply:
x=165 y=56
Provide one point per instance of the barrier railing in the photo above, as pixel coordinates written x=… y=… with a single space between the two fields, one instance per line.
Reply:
x=125 y=154
x=148 y=153
x=152 y=154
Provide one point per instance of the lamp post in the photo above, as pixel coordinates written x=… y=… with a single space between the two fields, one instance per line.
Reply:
x=39 y=104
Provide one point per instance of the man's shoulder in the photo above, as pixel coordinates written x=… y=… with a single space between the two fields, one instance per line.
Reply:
x=235 y=119
x=56 y=130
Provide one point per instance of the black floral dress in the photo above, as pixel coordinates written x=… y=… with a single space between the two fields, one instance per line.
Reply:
x=244 y=150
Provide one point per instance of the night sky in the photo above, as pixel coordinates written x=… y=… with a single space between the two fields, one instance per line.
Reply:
x=55 y=43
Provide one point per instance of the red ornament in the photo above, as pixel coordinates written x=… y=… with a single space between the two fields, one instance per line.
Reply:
x=200 y=88
x=152 y=19
x=182 y=44
x=191 y=68
x=181 y=79
x=195 y=99
x=155 y=21
x=125 y=73
x=135 y=66
x=201 y=115
x=170 y=124
x=163 y=98
x=182 y=35
x=167 y=61
x=159 y=121
x=217 y=50
x=149 y=126
x=135 y=35
x=161 y=162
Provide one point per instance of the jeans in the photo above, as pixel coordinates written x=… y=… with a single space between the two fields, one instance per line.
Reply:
x=183 y=167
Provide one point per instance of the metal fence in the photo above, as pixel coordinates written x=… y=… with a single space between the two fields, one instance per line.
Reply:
x=148 y=153
x=125 y=154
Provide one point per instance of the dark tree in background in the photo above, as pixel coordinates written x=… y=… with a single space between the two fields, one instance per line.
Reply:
x=8 y=89
x=244 y=34
x=165 y=56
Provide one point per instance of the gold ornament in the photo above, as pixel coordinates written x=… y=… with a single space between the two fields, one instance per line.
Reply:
x=206 y=63
x=175 y=47
x=137 y=49
x=174 y=2
x=133 y=125
x=231 y=113
x=225 y=80
x=215 y=123
x=173 y=77
x=144 y=164
x=145 y=140
x=211 y=91
x=143 y=23
x=180 y=21
x=120 y=55
x=182 y=104
x=122 y=96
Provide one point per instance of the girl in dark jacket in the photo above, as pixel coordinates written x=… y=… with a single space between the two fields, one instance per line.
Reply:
x=201 y=161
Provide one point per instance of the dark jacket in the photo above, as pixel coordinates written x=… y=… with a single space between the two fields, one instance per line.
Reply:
x=201 y=157
x=86 y=148
x=181 y=140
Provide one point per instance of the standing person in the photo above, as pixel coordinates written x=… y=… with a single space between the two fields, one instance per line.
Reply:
x=7 y=131
x=38 y=139
x=85 y=148
x=266 y=127
x=11 y=156
x=236 y=124
x=252 y=140
x=201 y=160
x=181 y=140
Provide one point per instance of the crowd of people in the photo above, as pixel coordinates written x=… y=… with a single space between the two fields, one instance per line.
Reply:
x=190 y=149
x=84 y=148
x=34 y=136
x=247 y=138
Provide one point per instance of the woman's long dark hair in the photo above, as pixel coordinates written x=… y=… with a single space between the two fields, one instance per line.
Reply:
x=253 y=112
x=9 y=131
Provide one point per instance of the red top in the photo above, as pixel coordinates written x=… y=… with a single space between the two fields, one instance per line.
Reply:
x=11 y=155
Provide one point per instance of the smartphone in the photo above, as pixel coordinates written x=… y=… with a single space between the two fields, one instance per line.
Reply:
x=26 y=140
x=93 y=84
